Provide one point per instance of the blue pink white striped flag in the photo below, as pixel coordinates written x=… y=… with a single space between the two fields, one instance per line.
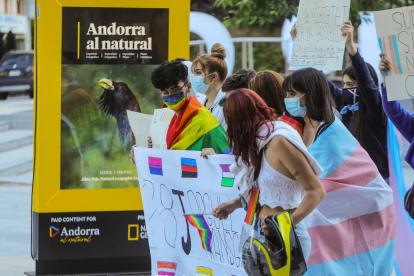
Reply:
x=353 y=229
x=404 y=245
x=389 y=47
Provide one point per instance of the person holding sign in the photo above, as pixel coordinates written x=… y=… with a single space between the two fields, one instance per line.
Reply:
x=193 y=127
x=360 y=104
x=288 y=172
x=404 y=122
x=209 y=73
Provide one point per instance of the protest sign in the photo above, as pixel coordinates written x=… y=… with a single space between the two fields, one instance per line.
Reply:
x=319 y=42
x=395 y=32
x=176 y=182
x=159 y=127
x=141 y=125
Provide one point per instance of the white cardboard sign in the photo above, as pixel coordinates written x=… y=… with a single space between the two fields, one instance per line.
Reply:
x=395 y=33
x=159 y=127
x=141 y=125
x=319 y=42
x=170 y=188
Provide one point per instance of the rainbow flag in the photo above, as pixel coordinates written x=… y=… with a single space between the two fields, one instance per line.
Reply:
x=404 y=245
x=200 y=223
x=166 y=268
x=353 y=229
x=188 y=168
x=251 y=209
x=389 y=47
x=293 y=123
x=196 y=128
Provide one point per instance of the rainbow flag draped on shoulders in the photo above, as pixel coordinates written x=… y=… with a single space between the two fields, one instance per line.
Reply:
x=196 y=128
x=353 y=229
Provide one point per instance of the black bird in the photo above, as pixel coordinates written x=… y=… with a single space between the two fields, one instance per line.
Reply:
x=116 y=99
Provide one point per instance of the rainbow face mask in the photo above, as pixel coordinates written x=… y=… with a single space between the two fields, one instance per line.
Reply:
x=175 y=102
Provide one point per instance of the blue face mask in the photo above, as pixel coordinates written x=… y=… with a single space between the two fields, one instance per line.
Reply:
x=198 y=84
x=294 y=108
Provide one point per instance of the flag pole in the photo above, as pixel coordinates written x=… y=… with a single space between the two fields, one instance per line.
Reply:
x=206 y=214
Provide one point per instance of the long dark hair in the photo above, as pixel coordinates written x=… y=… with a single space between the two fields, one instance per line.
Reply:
x=244 y=113
x=318 y=98
x=356 y=123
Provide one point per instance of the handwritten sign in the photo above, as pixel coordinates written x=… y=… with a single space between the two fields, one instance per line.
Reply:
x=141 y=125
x=169 y=188
x=395 y=32
x=159 y=127
x=319 y=42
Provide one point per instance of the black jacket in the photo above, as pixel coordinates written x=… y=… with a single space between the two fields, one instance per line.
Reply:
x=375 y=120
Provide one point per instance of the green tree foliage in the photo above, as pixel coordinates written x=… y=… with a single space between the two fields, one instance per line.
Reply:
x=246 y=13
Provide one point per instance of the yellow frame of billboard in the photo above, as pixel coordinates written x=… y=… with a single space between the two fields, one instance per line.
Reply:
x=47 y=195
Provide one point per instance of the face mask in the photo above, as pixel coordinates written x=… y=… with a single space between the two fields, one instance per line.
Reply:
x=294 y=108
x=350 y=95
x=175 y=102
x=199 y=85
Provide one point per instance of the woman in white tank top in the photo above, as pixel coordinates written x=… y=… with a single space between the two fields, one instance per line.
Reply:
x=288 y=179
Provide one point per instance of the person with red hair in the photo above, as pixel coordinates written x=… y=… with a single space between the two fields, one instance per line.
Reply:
x=287 y=175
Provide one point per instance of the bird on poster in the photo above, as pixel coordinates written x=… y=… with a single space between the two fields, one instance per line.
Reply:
x=116 y=99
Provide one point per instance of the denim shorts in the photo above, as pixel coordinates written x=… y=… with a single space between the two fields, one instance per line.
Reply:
x=304 y=239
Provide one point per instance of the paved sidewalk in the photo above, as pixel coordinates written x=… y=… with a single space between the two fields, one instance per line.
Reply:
x=15 y=215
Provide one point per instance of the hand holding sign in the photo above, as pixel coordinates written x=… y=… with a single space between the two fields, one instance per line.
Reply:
x=319 y=41
x=395 y=32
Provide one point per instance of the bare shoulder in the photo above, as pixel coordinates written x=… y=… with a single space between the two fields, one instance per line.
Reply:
x=279 y=144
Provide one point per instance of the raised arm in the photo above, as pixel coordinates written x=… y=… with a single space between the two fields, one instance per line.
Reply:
x=366 y=84
x=399 y=116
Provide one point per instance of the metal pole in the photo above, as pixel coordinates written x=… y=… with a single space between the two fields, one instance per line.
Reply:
x=244 y=61
x=251 y=66
x=201 y=49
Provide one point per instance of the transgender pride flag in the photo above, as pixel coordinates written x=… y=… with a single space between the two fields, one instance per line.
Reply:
x=353 y=229
x=389 y=47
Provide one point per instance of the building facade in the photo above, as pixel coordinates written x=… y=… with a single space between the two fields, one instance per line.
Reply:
x=17 y=16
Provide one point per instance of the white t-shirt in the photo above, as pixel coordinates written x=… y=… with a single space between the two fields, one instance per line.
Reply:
x=216 y=109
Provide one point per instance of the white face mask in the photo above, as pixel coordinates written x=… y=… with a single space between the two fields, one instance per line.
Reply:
x=199 y=85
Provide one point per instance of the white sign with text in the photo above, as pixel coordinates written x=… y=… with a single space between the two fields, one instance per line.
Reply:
x=174 y=182
x=319 y=42
x=159 y=127
x=395 y=33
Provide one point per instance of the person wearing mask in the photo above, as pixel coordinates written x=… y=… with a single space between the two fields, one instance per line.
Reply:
x=403 y=120
x=288 y=177
x=192 y=127
x=240 y=79
x=357 y=214
x=360 y=104
x=209 y=73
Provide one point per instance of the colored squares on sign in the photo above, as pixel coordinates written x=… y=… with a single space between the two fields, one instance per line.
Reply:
x=204 y=271
x=189 y=168
x=227 y=179
x=155 y=165
x=166 y=268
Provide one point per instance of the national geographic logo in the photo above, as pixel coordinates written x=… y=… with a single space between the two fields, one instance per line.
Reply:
x=134 y=232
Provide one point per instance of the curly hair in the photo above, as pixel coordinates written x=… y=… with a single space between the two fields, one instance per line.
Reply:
x=168 y=74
